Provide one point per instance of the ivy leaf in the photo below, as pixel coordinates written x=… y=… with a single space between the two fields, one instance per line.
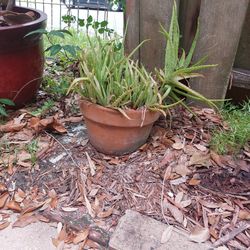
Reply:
x=54 y=49
x=38 y=31
x=81 y=22
x=7 y=102
x=90 y=19
x=104 y=24
x=3 y=111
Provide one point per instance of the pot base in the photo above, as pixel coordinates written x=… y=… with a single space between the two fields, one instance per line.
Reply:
x=110 y=132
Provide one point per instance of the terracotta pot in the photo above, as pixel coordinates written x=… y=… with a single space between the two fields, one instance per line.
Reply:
x=110 y=132
x=21 y=59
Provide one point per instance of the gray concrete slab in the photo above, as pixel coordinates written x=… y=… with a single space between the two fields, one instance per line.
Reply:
x=36 y=236
x=139 y=232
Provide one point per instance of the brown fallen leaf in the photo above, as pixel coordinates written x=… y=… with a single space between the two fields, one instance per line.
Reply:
x=244 y=215
x=216 y=158
x=106 y=213
x=11 y=127
x=91 y=164
x=194 y=182
x=199 y=234
x=25 y=220
x=178 y=145
x=14 y=206
x=69 y=209
x=3 y=198
x=4 y=224
x=208 y=204
x=81 y=236
x=32 y=207
x=199 y=159
x=47 y=123
x=175 y=212
x=3 y=187
x=201 y=147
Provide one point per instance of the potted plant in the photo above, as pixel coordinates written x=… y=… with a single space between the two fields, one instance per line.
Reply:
x=21 y=58
x=121 y=100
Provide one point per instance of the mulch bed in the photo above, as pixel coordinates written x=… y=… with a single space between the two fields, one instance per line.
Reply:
x=175 y=178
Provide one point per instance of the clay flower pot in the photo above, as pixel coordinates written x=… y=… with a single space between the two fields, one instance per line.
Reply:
x=21 y=59
x=110 y=132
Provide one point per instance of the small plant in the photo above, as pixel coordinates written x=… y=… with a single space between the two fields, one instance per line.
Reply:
x=3 y=104
x=180 y=68
x=238 y=134
x=32 y=148
x=45 y=107
x=67 y=50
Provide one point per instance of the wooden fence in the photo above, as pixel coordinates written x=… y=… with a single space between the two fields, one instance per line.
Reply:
x=221 y=25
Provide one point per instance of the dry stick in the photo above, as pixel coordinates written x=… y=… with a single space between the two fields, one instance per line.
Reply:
x=66 y=150
x=230 y=235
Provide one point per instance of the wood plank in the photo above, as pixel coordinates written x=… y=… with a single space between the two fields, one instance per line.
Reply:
x=241 y=78
x=188 y=19
x=152 y=13
x=132 y=27
x=220 y=28
x=242 y=59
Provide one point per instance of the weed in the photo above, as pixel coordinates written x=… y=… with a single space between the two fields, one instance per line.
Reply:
x=32 y=148
x=3 y=104
x=232 y=140
x=42 y=110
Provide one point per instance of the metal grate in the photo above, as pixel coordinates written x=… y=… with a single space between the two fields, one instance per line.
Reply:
x=55 y=9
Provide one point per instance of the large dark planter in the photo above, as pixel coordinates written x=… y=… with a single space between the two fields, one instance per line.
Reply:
x=21 y=59
x=110 y=132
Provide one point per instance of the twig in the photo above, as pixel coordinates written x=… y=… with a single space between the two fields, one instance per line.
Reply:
x=230 y=235
x=66 y=150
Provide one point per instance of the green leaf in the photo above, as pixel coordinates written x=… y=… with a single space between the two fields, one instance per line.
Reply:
x=90 y=19
x=71 y=49
x=38 y=31
x=81 y=22
x=104 y=24
x=7 y=102
x=3 y=111
x=54 y=49
x=101 y=30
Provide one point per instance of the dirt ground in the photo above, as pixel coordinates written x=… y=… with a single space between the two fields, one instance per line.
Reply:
x=174 y=178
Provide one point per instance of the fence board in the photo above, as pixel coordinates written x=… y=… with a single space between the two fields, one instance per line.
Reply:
x=220 y=28
x=152 y=13
x=132 y=26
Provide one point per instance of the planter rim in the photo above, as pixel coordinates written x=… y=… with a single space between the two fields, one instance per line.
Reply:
x=115 y=117
x=42 y=17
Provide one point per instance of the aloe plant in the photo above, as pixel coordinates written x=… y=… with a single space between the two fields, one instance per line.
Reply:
x=180 y=68
x=111 y=79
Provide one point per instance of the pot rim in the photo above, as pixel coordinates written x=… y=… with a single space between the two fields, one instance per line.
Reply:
x=42 y=17
x=113 y=117
x=116 y=111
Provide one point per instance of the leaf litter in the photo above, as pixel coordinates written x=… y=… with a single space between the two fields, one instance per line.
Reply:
x=204 y=193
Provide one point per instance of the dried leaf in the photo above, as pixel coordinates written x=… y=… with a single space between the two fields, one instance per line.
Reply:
x=185 y=203
x=11 y=127
x=176 y=213
x=199 y=234
x=25 y=220
x=81 y=236
x=3 y=187
x=217 y=159
x=13 y=205
x=69 y=209
x=4 y=224
x=244 y=215
x=208 y=204
x=201 y=147
x=91 y=164
x=3 y=198
x=178 y=145
x=182 y=169
x=199 y=159
x=166 y=235
x=194 y=182
x=32 y=207
x=106 y=213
